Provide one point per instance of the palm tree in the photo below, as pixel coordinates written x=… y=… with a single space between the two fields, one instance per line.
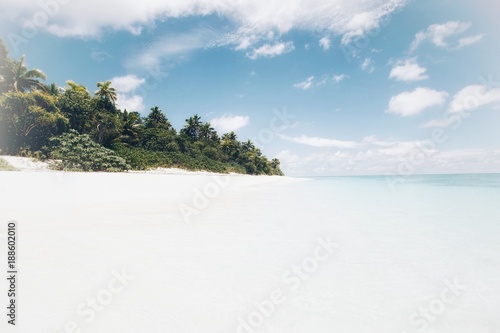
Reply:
x=54 y=90
x=248 y=146
x=3 y=51
x=156 y=118
x=229 y=137
x=20 y=79
x=75 y=102
x=275 y=163
x=229 y=143
x=192 y=127
x=132 y=124
x=106 y=92
x=207 y=132
x=3 y=64
x=76 y=86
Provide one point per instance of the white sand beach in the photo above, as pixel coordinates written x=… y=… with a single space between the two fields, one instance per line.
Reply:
x=28 y=164
x=153 y=252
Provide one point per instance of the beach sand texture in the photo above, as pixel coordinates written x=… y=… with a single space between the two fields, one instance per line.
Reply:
x=150 y=252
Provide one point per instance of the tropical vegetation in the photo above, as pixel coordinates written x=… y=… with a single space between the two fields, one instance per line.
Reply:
x=86 y=131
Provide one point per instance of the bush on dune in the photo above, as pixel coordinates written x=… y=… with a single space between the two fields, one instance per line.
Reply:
x=143 y=159
x=77 y=152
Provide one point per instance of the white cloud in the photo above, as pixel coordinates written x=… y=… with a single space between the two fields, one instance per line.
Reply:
x=270 y=51
x=256 y=18
x=385 y=157
x=414 y=102
x=367 y=65
x=312 y=82
x=126 y=84
x=319 y=142
x=408 y=71
x=254 y=26
x=130 y=102
x=397 y=161
x=400 y=149
x=466 y=41
x=439 y=122
x=305 y=85
x=467 y=99
x=359 y=24
x=438 y=34
x=325 y=43
x=473 y=97
x=245 y=42
x=374 y=140
x=392 y=147
x=227 y=123
x=125 y=87
x=172 y=47
x=341 y=77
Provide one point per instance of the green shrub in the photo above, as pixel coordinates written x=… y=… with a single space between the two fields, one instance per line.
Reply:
x=142 y=159
x=77 y=152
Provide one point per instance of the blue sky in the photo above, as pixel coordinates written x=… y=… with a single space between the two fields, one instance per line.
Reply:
x=331 y=87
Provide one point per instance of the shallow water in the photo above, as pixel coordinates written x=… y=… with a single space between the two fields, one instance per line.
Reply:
x=249 y=255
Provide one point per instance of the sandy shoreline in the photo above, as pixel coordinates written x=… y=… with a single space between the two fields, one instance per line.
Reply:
x=209 y=253
x=27 y=164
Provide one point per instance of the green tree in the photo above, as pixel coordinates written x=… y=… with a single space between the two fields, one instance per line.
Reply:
x=207 y=133
x=105 y=124
x=247 y=146
x=275 y=165
x=156 y=119
x=160 y=139
x=192 y=127
x=76 y=104
x=106 y=92
x=76 y=86
x=132 y=128
x=106 y=120
x=19 y=79
x=105 y=97
x=53 y=89
x=27 y=120
x=3 y=66
x=230 y=146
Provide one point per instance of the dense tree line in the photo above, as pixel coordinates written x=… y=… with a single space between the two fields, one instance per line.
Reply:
x=47 y=121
